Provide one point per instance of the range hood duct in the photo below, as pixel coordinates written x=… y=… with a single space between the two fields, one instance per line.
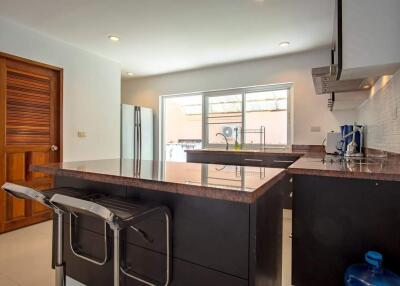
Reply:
x=326 y=81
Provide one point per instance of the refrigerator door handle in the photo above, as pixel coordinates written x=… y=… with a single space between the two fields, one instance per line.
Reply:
x=134 y=132
x=140 y=133
x=137 y=133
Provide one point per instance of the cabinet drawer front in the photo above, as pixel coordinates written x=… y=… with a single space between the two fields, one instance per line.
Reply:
x=266 y=160
x=255 y=160
x=143 y=261
x=204 y=232
x=207 y=232
x=211 y=233
x=224 y=159
x=282 y=161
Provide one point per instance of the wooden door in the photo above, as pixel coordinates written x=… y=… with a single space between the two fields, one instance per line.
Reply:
x=30 y=125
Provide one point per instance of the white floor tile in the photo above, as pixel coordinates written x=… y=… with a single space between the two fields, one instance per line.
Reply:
x=25 y=256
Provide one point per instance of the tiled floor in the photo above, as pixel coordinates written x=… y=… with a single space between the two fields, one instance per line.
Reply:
x=287 y=248
x=25 y=255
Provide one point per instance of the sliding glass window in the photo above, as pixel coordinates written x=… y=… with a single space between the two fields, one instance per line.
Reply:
x=181 y=127
x=223 y=115
x=248 y=118
x=266 y=110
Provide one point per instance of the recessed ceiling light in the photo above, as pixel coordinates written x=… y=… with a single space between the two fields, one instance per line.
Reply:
x=129 y=74
x=284 y=44
x=113 y=38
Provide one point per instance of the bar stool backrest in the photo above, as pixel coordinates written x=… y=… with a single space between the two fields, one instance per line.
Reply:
x=84 y=207
x=26 y=193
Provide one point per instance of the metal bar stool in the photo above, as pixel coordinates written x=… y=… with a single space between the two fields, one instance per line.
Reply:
x=119 y=215
x=43 y=197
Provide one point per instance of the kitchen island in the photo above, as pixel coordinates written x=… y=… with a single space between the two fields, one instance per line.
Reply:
x=227 y=220
x=343 y=207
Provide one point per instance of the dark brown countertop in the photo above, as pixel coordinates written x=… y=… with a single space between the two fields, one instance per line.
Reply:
x=231 y=183
x=373 y=168
x=267 y=151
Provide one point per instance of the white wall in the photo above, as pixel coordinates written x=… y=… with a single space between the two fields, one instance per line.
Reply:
x=381 y=115
x=91 y=91
x=309 y=108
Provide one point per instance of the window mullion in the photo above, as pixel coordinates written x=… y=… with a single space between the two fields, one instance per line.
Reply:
x=243 y=134
x=204 y=135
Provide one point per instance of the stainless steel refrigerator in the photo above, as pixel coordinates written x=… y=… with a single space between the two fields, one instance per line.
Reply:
x=136 y=132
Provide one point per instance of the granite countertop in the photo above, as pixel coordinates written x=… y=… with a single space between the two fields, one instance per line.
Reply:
x=231 y=183
x=267 y=151
x=373 y=168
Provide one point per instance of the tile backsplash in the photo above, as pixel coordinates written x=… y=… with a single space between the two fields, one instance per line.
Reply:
x=381 y=115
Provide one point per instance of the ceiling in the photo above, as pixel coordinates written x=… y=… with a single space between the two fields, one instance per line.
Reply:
x=161 y=36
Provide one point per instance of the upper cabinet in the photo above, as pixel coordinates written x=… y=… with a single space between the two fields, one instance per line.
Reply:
x=370 y=38
x=366 y=46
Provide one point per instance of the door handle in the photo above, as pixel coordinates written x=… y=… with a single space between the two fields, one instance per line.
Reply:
x=253 y=160
x=54 y=148
x=283 y=161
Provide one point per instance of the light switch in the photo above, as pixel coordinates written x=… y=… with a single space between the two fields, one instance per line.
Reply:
x=81 y=134
x=315 y=128
x=394 y=112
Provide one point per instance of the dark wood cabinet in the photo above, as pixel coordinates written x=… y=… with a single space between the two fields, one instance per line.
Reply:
x=337 y=220
x=215 y=242
x=214 y=158
x=265 y=160
x=257 y=159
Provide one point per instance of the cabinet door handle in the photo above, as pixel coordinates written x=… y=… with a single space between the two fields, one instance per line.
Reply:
x=283 y=161
x=253 y=160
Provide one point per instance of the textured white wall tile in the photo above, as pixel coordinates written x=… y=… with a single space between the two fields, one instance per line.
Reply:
x=381 y=116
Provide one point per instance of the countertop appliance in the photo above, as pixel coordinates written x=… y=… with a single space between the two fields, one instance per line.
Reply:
x=136 y=132
x=352 y=140
x=332 y=142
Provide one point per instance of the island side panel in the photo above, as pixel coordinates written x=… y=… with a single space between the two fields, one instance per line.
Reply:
x=210 y=239
x=336 y=220
x=183 y=272
x=208 y=232
x=266 y=218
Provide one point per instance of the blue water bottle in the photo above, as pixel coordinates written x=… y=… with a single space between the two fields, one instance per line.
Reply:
x=370 y=273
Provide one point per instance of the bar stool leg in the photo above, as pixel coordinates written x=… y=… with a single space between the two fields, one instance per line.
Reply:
x=117 y=243
x=59 y=265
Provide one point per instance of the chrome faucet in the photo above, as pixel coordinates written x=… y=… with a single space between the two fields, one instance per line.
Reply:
x=226 y=140
x=352 y=146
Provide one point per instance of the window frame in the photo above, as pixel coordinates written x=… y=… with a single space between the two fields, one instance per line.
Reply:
x=244 y=91
x=230 y=91
x=161 y=122
x=205 y=123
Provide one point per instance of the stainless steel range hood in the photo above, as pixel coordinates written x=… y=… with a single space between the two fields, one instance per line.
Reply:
x=325 y=81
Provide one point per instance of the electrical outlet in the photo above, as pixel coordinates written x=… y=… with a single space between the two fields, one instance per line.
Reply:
x=315 y=129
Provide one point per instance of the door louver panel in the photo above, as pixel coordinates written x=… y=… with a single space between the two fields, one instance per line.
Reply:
x=28 y=108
